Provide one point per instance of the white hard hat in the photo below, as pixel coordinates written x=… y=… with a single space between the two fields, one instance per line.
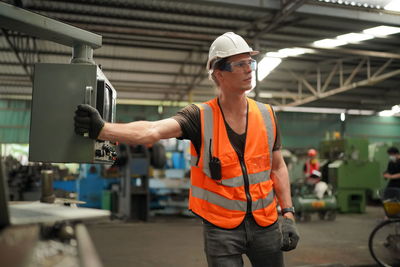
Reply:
x=226 y=45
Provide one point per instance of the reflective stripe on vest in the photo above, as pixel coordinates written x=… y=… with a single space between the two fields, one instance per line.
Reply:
x=230 y=204
x=207 y=136
x=268 y=125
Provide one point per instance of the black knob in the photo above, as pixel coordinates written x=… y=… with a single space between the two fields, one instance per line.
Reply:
x=99 y=153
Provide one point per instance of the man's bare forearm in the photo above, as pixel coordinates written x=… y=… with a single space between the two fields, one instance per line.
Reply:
x=134 y=133
x=141 y=132
x=282 y=187
x=280 y=177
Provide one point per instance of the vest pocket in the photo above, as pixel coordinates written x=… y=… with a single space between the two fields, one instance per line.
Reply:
x=258 y=163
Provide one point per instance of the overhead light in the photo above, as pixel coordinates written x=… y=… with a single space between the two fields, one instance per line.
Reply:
x=266 y=65
x=393 y=5
x=275 y=54
x=354 y=37
x=386 y=113
x=396 y=108
x=261 y=94
x=290 y=52
x=342 y=116
x=265 y=95
x=329 y=43
x=382 y=30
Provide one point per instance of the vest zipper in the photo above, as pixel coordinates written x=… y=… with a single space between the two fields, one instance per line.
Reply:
x=246 y=182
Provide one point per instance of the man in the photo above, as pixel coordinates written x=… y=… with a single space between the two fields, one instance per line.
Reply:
x=393 y=174
x=312 y=163
x=237 y=167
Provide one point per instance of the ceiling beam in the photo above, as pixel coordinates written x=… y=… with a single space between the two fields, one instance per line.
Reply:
x=323 y=10
x=366 y=82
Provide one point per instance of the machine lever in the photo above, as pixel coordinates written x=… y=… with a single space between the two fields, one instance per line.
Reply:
x=88 y=95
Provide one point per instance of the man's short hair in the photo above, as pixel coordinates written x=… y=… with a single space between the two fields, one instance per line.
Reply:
x=393 y=150
x=219 y=64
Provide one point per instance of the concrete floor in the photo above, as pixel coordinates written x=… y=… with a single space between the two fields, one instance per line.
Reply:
x=178 y=241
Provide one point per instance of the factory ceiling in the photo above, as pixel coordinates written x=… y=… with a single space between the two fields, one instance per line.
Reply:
x=156 y=50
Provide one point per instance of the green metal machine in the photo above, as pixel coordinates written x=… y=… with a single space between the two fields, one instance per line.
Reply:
x=352 y=174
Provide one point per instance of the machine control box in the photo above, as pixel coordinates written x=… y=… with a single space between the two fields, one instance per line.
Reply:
x=57 y=91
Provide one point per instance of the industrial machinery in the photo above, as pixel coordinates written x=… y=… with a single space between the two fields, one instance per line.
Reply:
x=57 y=90
x=353 y=175
x=306 y=201
x=42 y=234
x=131 y=197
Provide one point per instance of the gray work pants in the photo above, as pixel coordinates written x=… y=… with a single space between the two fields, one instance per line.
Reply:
x=224 y=247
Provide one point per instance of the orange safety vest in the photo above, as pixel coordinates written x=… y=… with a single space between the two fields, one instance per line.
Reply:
x=224 y=202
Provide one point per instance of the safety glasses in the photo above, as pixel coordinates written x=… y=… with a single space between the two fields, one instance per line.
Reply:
x=240 y=65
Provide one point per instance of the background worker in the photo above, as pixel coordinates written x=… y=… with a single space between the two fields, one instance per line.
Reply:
x=311 y=165
x=392 y=173
x=236 y=174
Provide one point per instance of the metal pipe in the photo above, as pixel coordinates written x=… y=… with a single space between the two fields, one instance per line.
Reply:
x=83 y=54
x=18 y=19
x=47 y=187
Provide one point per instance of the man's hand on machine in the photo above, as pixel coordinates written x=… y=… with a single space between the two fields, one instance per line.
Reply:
x=88 y=121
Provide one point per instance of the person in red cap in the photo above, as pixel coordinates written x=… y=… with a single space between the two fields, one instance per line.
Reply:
x=311 y=167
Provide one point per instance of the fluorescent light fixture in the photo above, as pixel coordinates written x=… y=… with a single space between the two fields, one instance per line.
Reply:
x=261 y=94
x=265 y=95
x=382 y=31
x=342 y=116
x=354 y=37
x=329 y=43
x=386 y=113
x=325 y=110
x=396 y=109
x=394 y=5
x=275 y=54
x=290 y=52
x=266 y=65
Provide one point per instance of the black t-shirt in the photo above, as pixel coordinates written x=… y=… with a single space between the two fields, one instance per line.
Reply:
x=393 y=168
x=189 y=120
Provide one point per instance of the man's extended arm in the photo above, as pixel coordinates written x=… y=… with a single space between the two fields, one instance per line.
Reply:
x=89 y=121
x=140 y=132
x=392 y=176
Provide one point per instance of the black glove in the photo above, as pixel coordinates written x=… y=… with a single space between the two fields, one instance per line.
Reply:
x=88 y=120
x=290 y=236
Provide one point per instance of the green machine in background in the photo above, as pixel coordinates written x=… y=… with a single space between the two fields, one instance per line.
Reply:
x=353 y=175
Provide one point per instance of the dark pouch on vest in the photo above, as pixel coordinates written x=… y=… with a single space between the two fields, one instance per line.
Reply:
x=214 y=165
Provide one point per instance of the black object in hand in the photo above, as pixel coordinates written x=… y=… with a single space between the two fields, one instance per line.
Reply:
x=88 y=121
x=290 y=236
